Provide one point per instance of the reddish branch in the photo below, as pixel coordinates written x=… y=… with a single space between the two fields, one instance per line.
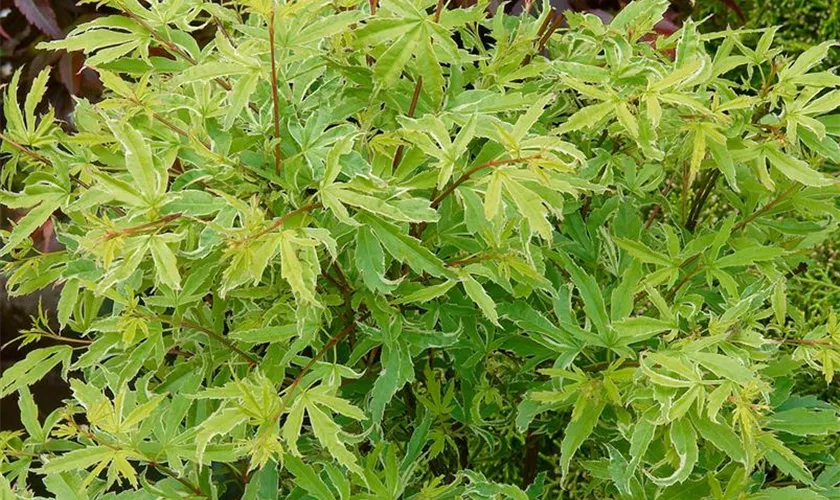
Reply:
x=411 y=109
x=252 y=361
x=737 y=227
x=438 y=10
x=558 y=20
x=275 y=98
x=171 y=47
x=808 y=342
x=418 y=86
x=23 y=149
x=766 y=208
x=143 y=227
x=279 y=222
x=466 y=175
x=334 y=340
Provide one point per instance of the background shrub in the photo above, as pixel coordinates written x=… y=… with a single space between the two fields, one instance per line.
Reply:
x=802 y=23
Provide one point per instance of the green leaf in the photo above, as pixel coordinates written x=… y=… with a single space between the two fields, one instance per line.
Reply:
x=809 y=59
x=292 y=270
x=721 y=436
x=265 y=483
x=640 y=328
x=590 y=292
x=390 y=64
x=370 y=261
x=220 y=423
x=640 y=251
x=779 y=302
x=403 y=247
x=748 y=256
x=166 y=264
x=786 y=493
x=150 y=180
x=33 y=367
x=805 y=422
x=67 y=301
x=795 y=169
x=64 y=485
x=478 y=295
x=785 y=459
x=307 y=478
x=427 y=293
x=586 y=117
x=210 y=71
x=724 y=366
x=531 y=206
x=266 y=334
x=30 y=222
x=724 y=162
x=34 y=96
x=586 y=415
x=239 y=98
x=397 y=370
x=29 y=414
x=78 y=460
x=684 y=441
x=640 y=17
x=327 y=432
x=193 y=203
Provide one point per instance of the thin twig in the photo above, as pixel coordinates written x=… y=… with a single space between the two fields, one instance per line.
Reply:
x=466 y=175
x=596 y=367
x=66 y=339
x=252 y=361
x=700 y=199
x=438 y=10
x=171 y=47
x=279 y=222
x=178 y=130
x=673 y=291
x=766 y=208
x=275 y=97
x=171 y=473
x=808 y=342
x=471 y=260
x=142 y=227
x=684 y=193
x=558 y=20
x=334 y=340
x=737 y=227
x=23 y=149
x=540 y=31
x=38 y=157
x=654 y=213
x=411 y=109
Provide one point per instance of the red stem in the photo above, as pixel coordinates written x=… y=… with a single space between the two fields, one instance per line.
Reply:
x=275 y=97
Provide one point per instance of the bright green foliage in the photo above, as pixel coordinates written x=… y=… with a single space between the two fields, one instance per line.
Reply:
x=509 y=286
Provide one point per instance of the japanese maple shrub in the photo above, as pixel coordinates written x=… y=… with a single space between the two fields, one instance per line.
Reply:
x=353 y=249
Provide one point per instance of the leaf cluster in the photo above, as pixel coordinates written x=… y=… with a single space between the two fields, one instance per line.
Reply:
x=390 y=250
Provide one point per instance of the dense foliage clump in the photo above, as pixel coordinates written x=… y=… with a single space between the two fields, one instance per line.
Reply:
x=378 y=250
x=801 y=23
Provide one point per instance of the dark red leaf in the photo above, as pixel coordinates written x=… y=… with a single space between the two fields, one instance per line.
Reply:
x=69 y=67
x=40 y=14
x=666 y=27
